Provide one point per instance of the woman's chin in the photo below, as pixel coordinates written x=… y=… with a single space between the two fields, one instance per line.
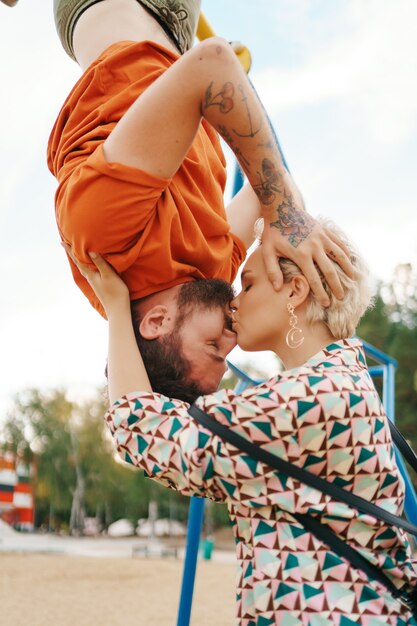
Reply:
x=245 y=341
x=246 y=345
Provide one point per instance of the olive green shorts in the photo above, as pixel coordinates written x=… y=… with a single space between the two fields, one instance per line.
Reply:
x=178 y=18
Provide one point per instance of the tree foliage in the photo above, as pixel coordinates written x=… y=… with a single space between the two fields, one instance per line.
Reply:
x=391 y=326
x=69 y=445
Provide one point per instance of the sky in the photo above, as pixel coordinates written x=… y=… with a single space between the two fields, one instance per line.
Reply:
x=338 y=79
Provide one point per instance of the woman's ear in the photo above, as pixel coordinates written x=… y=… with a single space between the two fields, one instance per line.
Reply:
x=157 y=322
x=299 y=290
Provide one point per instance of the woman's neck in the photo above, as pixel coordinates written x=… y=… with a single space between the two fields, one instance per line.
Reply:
x=316 y=338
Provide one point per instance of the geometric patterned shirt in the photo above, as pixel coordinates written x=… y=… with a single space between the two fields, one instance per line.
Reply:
x=324 y=416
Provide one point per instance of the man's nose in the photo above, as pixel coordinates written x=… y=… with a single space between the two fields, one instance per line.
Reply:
x=229 y=340
x=235 y=303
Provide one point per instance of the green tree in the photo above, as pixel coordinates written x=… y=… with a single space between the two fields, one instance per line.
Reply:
x=38 y=428
x=392 y=327
x=77 y=470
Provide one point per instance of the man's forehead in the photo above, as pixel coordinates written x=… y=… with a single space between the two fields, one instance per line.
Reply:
x=208 y=307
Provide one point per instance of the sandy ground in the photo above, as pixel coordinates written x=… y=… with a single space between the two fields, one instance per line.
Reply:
x=70 y=590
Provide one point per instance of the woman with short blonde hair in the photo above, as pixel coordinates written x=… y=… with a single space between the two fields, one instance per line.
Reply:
x=321 y=414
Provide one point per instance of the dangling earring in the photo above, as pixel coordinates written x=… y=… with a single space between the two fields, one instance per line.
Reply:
x=294 y=337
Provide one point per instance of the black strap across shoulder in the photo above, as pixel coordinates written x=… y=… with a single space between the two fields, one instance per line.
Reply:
x=344 y=550
x=328 y=488
x=311 y=523
x=402 y=445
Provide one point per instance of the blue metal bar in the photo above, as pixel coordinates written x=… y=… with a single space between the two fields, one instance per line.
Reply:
x=410 y=500
x=195 y=524
x=388 y=393
x=242 y=375
x=378 y=355
x=377 y=370
x=387 y=371
x=238 y=180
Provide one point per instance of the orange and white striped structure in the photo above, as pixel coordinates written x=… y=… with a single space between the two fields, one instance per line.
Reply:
x=16 y=492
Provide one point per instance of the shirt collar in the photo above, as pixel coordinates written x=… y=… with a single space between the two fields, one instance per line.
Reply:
x=345 y=352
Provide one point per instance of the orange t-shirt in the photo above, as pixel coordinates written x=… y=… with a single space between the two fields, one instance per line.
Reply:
x=157 y=233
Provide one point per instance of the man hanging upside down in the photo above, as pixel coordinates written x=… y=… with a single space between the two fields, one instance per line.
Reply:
x=141 y=178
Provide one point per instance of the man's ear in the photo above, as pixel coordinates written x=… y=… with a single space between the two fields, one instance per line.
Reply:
x=299 y=290
x=157 y=322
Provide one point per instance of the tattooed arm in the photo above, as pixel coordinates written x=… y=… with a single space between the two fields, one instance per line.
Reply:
x=289 y=230
x=157 y=131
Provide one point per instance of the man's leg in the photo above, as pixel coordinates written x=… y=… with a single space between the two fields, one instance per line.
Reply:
x=178 y=18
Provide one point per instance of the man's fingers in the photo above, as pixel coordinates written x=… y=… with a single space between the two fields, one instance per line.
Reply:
x=339 y=242
x=330 y=275
x=343 y=261
x=314 y=280
x=338 y=251
x=272 y=267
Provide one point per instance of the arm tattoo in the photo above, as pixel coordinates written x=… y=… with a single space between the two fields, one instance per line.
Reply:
x=238 y=152
x=252 y=133
x=268 y=145
x=270 y=182
x=223 y=99
x=292 y=222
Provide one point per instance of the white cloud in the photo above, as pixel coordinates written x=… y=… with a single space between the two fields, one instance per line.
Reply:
x=36 y=76
x=370 y=68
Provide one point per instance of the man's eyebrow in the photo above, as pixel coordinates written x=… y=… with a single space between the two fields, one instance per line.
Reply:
x=245 y=273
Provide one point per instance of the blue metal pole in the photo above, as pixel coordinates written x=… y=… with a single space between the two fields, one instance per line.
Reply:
x=195 y=523
x=378 y=355
x=410 y=501
x=237 y=181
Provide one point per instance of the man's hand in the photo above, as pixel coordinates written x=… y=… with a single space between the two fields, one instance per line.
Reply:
x=295 y=235
x=109 y=288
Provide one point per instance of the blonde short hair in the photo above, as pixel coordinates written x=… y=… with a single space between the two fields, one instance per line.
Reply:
x=342 y=316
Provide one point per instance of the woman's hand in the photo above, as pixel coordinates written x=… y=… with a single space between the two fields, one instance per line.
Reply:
x=109 y=288
x=126 y=371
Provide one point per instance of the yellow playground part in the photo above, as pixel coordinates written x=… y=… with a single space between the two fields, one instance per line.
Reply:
x=205 y=30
